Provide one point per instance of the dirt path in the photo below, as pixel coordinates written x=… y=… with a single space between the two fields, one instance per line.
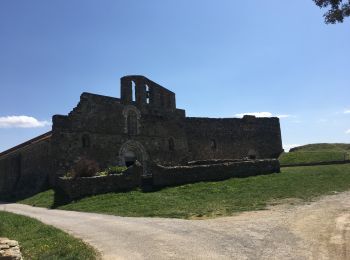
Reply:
x=319 y=230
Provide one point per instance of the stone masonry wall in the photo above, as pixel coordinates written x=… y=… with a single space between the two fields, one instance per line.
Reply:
x=102 y=120
x=210 y=138
x=81 y=187
x=144 y=123
x=171 y=176
x=164 y=176
x=25 y=171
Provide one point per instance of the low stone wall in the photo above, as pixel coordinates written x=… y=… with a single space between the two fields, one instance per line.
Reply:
x=213 y=161
x=171 y=176
x=9 y=249
x=162 y=176
x=86 y=186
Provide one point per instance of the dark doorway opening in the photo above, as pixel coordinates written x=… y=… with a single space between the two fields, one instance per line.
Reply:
x=129 y=158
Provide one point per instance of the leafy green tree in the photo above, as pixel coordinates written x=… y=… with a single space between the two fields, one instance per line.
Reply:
x=338 y=10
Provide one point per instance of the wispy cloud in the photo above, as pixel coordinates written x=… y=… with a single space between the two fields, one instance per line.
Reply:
x=347 y=131
x=347 y=111
x=21 y=122
x=283 y=116
x=261 y=114
x=287 y=147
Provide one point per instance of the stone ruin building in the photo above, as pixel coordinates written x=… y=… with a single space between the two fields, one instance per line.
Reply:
x=144 y=124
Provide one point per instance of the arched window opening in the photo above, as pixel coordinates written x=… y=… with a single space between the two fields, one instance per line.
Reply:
x=85 y=141
x=147 y=94
x=132 y=122
x=169 y=101
x=133 y=90
x=213 y=145
x=171 y=144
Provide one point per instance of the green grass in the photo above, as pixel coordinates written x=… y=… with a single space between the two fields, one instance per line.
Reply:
x=313 y=153
x=325 y=147
x=311 y=157
x=211 y=199
x=40 y=241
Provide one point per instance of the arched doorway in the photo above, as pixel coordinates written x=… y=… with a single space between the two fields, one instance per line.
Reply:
x=129 y=158
x=131 y=151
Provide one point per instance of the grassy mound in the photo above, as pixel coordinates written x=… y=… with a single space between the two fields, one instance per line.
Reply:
x=211 y=199
x=314 y=153
x=323 y=147
x=40 y=241
x=311 y=157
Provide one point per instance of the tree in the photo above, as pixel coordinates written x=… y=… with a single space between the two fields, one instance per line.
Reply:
x=339 y=9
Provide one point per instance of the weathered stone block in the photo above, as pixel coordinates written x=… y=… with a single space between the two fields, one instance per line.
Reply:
x=9 y=249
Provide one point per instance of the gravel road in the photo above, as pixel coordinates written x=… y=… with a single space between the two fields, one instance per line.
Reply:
x=318 y=230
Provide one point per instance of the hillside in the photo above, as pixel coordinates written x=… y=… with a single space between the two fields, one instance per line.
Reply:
x=322 y=147
x=316 y=153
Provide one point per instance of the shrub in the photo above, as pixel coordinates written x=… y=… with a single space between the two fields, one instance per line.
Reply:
x=84 y=168
x=115 y=169
x=112 y=170
x=103 y=173
x=68 y=175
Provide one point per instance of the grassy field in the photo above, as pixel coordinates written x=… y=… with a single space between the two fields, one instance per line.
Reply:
x=212 y=199
x=313 y=153
x=324 y=147
x=311 y=157
x=39 y=241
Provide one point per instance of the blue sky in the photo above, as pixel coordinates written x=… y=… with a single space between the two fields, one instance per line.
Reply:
x=222 y=58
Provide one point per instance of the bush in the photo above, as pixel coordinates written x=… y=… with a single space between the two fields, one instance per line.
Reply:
x=115 y=169
x=84 y=168
x=112 y=170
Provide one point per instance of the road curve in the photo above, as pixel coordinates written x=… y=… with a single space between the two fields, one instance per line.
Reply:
x=319 y=230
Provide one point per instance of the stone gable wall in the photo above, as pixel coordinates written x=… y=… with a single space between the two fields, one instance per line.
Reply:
x=103 y=121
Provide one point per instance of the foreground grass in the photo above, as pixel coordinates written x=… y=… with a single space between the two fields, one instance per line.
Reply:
x=211 y=199
x=312 y=157
x=39 y=241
